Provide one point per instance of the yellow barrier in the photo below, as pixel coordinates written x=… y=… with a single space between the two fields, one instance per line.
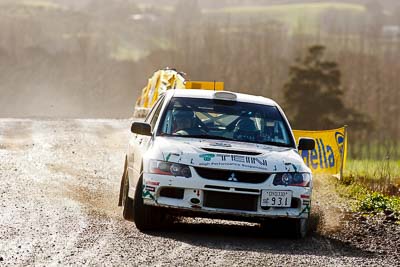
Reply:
x=166 y=79
x=329 y=155
x=217 y=86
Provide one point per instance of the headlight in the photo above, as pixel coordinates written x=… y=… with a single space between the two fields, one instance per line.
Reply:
x=293 y=179
x=169 y=168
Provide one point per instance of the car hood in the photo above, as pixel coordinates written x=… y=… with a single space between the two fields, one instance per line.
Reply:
x=229 y=154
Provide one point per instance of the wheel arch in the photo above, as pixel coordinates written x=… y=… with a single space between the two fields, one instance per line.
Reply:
x=121 y=188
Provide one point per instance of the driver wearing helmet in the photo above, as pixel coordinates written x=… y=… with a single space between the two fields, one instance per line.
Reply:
x=184 y=121
x=246 y=130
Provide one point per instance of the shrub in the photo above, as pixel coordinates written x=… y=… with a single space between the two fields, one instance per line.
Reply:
x=377 y=202
x=374 y=202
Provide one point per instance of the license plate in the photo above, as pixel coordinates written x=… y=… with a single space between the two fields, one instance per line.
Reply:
x=273 y=198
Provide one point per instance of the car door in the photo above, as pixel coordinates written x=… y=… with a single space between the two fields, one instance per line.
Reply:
x=140 y=143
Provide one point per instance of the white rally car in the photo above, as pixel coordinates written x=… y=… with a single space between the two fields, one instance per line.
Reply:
x=215 y=154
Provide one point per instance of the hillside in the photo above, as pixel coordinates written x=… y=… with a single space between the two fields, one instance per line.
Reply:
x=105 y=50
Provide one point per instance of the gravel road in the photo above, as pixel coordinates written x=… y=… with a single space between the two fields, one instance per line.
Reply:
x=59 y=191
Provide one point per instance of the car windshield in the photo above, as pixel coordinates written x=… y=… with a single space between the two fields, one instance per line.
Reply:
x=225 y=120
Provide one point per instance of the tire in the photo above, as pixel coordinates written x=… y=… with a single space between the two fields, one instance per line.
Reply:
x=128 y=211
x=284 y=227
x=271 y=227
x=301 y=228
x=121 y=187
x=278 y=227
x=145 y=217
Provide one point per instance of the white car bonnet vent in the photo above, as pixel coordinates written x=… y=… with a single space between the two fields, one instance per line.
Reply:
x=227 y=96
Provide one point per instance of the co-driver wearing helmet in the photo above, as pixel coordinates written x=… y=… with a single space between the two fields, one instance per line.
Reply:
x=184 y=123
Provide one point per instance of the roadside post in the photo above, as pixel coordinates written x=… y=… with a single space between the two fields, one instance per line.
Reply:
x=344 y=153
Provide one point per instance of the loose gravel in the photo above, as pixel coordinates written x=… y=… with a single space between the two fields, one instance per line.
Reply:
x=59 y=191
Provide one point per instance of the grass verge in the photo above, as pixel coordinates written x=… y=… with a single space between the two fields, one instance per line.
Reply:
x=380 y=176
x=368 y=201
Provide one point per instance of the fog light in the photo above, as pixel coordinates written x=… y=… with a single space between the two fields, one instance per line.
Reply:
x=195 y=200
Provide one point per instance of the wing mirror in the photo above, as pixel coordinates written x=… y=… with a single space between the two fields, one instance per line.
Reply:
x=141 y=128
x=306 y=144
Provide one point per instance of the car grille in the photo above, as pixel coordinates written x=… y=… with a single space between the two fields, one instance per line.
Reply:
x=172 y=192
x=238 y=176
x=230 y=201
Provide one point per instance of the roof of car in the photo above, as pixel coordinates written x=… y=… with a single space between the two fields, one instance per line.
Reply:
x=209 y=94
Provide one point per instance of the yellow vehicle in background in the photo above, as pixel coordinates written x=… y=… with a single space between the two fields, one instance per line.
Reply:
x=163 y=80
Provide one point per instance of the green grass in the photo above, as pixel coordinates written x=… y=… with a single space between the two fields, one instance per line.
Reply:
x=378 y=176
x=127 y=54
x=293 y=8
x=375 y=149
x=41 y=4
x=163 y=8
x=373 y=185
x=305 y=15
x=369 y=201
x=373 y=169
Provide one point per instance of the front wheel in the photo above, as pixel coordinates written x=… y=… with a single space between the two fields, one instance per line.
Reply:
x=128 y=211
x=301 y=227
x=145 y=217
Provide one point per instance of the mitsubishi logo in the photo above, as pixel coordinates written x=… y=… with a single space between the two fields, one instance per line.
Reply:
x=232 y=178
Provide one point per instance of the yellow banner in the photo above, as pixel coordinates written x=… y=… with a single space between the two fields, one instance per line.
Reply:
x=329 y=155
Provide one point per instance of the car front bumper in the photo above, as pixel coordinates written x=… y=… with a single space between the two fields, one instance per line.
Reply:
x=215 y=197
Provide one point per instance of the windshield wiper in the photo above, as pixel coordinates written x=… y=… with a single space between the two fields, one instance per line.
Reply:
x=276 y=144
x=205 y=136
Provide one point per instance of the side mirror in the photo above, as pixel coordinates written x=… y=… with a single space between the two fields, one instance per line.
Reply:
x=141 y=128
x=306 y=144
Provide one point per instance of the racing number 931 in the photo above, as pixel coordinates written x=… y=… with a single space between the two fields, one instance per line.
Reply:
x=272 y=198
